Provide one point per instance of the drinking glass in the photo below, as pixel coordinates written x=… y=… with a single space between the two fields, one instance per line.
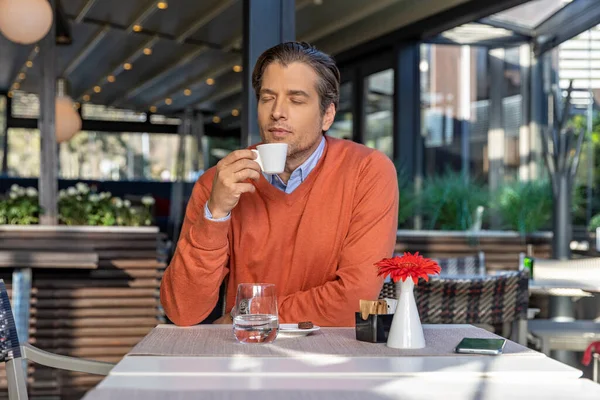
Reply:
x=255 y=318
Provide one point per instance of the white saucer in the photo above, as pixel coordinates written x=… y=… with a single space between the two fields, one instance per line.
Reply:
x=293 y=330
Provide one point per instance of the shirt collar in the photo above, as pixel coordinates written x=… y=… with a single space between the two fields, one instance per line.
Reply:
x=306 y=167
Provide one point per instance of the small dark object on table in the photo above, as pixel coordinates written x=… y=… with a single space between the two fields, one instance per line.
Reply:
x=305 y=325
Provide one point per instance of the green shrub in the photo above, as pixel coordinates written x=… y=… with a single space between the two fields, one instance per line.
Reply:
x=77 y=205
x=449 y=201
x=524 y=206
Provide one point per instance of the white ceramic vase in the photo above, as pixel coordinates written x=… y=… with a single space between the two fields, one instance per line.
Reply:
x=406 y=331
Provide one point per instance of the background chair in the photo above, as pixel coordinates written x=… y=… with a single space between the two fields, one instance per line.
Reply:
x=468 y=265
x=13 y=354
x=496 y=300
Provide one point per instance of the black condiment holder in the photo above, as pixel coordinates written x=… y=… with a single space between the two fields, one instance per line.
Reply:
x=374 y=329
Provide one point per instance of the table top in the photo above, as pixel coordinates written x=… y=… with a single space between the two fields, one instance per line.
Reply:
x=315 y=388
x=218 y=341
x=206 y=350
x=533 y=367
x=301 y=374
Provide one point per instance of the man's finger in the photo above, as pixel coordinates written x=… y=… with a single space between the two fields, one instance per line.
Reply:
x=237 y=155
x=243 y=164
x=247 y=173
x=245 y=188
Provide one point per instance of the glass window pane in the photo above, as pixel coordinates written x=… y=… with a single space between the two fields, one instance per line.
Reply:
x=126 y=156
x=162 y=119
x=342 y=125
x=440 y=107
x=23 y=152
x=25 y=105
x=100 y=112
x=379 y=103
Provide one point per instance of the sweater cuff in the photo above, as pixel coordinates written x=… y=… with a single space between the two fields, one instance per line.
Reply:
x=209 y=234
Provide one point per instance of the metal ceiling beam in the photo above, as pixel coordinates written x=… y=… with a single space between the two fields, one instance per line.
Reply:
x=84 y=10
x=144 y=15
x=418 y=20
x=367 y=10
x=177 y=64
x=568 y=22
x=490 y=43
x=518 y=29
x=119 y=68
x=24 y=68
x=87 y=50
x=159 y=76
x=97 y=39
x=313 y=36
x=229 y=46
x=220 y=94
x=205 y=19
x=146 y=32
x=201 y=79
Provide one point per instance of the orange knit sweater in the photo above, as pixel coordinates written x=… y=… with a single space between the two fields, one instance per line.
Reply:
x=317 y=244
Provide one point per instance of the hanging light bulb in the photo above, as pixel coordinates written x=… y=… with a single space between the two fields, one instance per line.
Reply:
x=25 y=21
x=68 y=121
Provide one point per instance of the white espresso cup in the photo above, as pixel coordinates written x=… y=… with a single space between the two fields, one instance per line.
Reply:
x=271 y=157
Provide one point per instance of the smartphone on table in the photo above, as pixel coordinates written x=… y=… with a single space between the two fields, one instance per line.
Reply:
x=481 y=346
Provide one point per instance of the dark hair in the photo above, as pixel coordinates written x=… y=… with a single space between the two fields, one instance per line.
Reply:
x=328 y=84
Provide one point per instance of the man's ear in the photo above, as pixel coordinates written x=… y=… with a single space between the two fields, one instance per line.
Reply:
x=328 y=117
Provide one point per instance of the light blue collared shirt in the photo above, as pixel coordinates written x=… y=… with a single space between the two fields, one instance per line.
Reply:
x=298 y=176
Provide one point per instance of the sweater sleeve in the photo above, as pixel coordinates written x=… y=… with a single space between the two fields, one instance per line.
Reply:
x=371 y=237
x=190 y=286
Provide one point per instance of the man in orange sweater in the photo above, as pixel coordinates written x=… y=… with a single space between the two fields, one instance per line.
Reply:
x=314 y=230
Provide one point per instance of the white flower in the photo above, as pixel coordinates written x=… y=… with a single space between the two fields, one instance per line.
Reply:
x=147 y=200
x=82 y=187
x=14 y=187
x=133 y=210
x=21 y=191
x=105 y=195
x=62 y=194
x=71 y=191
x=94 y=198
x=127 y=203
x=13 y=195
x=118 y=202
x=31 y=191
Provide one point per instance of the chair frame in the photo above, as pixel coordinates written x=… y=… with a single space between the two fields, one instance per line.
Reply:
x=14 y=354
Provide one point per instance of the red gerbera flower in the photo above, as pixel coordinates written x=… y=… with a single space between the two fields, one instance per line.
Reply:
x=413 y=266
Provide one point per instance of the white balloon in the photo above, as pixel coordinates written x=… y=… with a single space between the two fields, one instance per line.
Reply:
x=67 y=120
x=25 y=21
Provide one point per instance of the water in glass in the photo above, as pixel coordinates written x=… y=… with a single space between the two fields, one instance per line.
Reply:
x=255 y=328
